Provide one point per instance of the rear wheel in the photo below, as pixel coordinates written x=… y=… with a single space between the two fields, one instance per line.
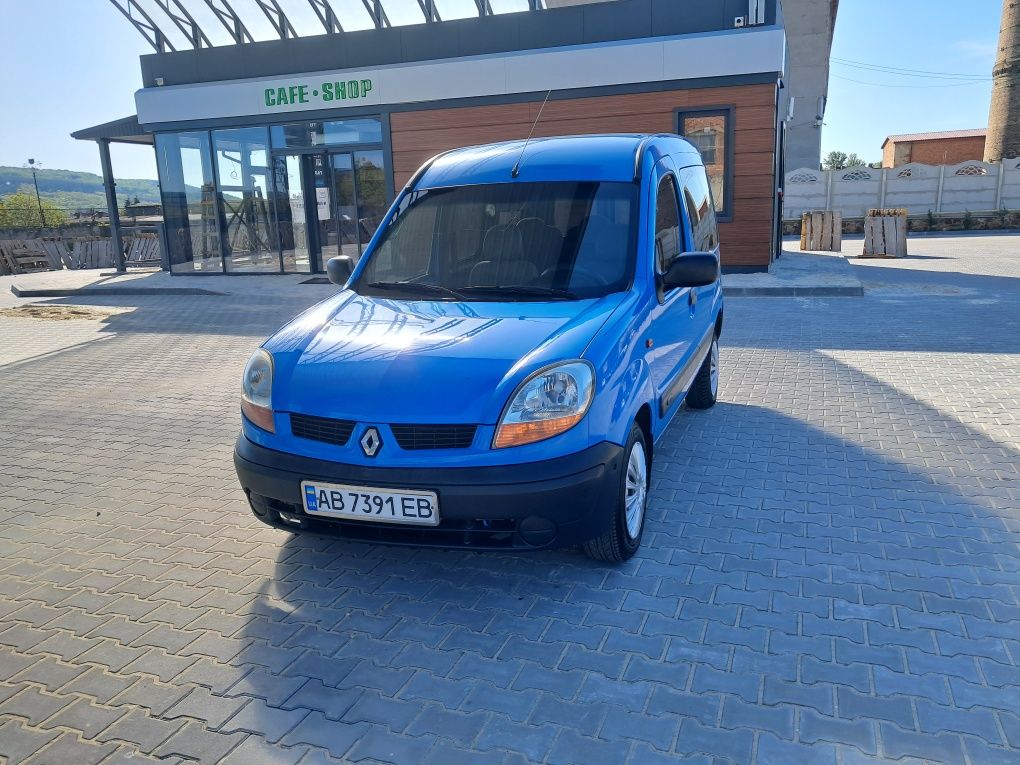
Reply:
x=705 y=387
x=623 y=537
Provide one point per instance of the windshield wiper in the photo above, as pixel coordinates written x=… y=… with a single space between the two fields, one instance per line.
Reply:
x=437 y=289
x=520 y=289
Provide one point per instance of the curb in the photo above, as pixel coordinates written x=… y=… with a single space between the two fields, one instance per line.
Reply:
x=793 y=291
x=92 y=291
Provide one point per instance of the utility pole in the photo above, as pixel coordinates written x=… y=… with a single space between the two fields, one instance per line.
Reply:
x=33 y=165
x=1003 y=141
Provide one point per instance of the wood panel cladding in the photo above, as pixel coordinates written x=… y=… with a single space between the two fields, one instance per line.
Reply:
x=416 y=136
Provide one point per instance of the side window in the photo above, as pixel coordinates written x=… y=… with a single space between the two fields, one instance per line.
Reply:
x=667 y=224
x=698 y=200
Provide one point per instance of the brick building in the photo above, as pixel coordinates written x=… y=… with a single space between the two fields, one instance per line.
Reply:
x=945 y=148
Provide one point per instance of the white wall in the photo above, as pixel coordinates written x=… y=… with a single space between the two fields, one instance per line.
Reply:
x=973 y=186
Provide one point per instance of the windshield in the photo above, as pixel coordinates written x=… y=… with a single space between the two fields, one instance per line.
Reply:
x=507 y=241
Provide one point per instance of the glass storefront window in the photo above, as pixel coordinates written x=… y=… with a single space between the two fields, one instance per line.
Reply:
x=709 y=131
x=306 y=135
x=248 y=218
x=189 y=206
x=271 y=198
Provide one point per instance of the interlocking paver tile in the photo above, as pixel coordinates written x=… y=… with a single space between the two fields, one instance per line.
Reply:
x=137 y=727
x=18 y=742
x=830 y=554
x=198 y=743
x=33 y=705
x=85 y=718
x=69 y=748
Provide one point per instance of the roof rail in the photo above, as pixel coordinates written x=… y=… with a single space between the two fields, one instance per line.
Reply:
x=424 y=169
x=639 y=155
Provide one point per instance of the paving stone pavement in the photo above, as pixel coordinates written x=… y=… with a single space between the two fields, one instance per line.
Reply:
x=830 y=572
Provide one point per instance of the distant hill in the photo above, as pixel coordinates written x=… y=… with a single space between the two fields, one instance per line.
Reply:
x=74 y=190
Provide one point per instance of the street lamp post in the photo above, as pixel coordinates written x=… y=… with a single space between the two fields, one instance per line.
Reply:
x=34 y=165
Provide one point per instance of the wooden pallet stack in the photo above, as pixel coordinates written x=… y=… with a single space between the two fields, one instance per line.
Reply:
x=885 y=234
x=23 y=256
x=92 y=252
x=821 y=231
x=143 y=250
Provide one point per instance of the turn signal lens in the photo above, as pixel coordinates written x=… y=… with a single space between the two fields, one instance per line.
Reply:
x=258 y=415
x=257 y=390
x=518 y=433
x=548 y=403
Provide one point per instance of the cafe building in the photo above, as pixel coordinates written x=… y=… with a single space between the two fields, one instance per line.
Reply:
x=275 y=155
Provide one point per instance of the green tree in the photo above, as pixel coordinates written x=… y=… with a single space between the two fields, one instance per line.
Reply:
x=835 y=160
x=840 y=160
x=21 y=210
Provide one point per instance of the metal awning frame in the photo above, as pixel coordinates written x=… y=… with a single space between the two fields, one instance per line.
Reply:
x=174 y=17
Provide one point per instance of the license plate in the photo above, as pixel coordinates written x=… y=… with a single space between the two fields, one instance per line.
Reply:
x=365 y=503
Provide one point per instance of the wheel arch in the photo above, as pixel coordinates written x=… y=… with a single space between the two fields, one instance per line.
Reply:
x=643 y=419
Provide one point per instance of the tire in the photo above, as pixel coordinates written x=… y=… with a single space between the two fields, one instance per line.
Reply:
x=623 y=537
x=705 y=387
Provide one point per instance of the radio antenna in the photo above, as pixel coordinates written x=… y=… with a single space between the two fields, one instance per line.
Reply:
x=517 y=165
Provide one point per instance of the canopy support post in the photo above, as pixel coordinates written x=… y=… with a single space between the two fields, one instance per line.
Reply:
x=110 y=185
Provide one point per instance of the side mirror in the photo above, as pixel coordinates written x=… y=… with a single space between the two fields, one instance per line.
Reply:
x=693 y=269
x=339 y=269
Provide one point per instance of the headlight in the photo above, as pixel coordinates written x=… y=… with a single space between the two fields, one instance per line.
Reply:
x=551 y=401
x=257 y=390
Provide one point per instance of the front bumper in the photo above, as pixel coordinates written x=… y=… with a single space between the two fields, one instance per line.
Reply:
x=554 y=503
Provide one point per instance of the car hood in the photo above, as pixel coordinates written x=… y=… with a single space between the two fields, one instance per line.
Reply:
x=381 y=360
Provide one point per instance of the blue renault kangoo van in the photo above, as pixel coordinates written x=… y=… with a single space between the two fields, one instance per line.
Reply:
x=495 y=371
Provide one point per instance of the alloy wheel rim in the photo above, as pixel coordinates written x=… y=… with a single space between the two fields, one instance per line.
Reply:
x=713 y=367
x=636 y=489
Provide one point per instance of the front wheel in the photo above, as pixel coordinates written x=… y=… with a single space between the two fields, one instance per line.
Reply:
x=705 y=387
x=623 y=537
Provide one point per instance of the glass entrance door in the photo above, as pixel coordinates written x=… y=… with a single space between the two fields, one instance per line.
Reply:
x=328 y=204
x=291 y=177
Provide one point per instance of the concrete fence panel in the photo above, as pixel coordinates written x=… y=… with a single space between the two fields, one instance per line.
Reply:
x=914 y=187
x=1010 y=192
x=973 y=186
x=969 y=186
x=855 y=190
x=804 y=190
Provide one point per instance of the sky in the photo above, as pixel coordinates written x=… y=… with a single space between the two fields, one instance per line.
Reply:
x=74 y=63
x=944 y=36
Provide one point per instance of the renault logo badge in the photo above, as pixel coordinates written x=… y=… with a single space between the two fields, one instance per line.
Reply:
x=371 y=442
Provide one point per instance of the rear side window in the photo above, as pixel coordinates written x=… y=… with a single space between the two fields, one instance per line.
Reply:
x=698 y=200
x=667 y=224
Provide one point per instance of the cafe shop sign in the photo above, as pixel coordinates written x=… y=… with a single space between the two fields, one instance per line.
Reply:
x=327 y=93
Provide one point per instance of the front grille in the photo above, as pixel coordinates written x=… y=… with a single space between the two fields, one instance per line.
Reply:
x=321 y=428
x=414 y=437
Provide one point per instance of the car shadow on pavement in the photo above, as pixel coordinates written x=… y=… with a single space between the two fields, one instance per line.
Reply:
x=794 y=567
